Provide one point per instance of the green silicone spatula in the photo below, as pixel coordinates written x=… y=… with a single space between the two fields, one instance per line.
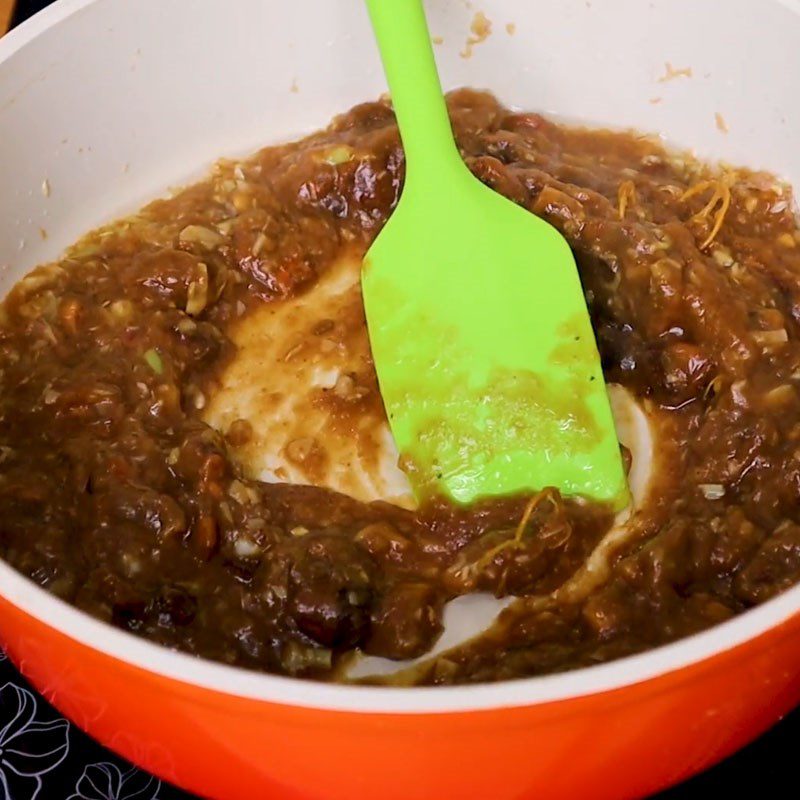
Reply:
x=485 y=355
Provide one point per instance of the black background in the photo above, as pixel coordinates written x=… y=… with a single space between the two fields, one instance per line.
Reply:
x=763 y=770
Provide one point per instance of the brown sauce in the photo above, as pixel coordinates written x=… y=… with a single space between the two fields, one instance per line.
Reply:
x=117 y=497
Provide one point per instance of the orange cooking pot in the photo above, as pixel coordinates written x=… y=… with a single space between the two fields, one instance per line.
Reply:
x=106 y=102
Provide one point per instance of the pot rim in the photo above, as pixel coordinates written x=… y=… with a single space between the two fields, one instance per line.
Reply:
x=244 y=683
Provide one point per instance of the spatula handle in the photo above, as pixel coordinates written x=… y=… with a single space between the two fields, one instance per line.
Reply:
x=405 y=46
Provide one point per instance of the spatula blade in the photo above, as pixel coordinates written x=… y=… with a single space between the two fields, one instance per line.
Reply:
x=484 y=351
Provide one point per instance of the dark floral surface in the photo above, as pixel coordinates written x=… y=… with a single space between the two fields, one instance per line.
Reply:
x=44 y=757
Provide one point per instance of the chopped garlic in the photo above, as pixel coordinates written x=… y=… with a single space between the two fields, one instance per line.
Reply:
x=338 y=155
x=258 y=244
x=197 y=297
x=245 y=547
x=712 y=491
x=771 y=338
x=722 y=256
x=197 y=234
